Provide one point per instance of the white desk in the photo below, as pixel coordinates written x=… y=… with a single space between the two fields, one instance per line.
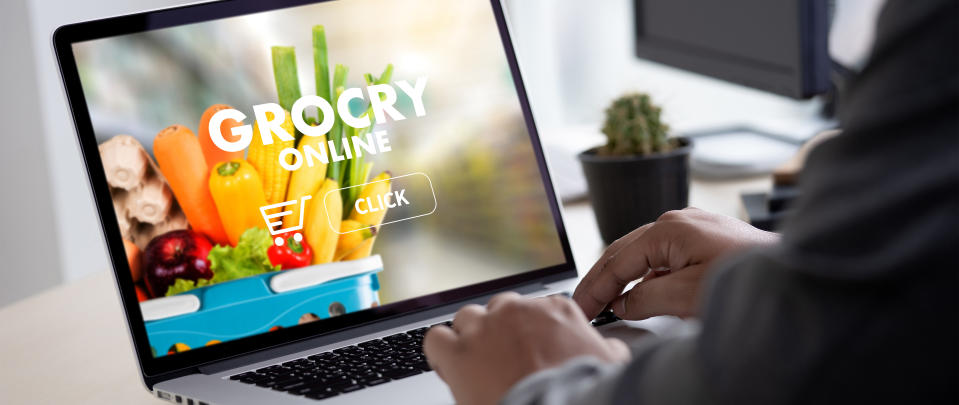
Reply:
x=70 y=345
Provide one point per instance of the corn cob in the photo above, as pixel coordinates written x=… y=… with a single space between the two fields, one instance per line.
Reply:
x=378 y=186
x=323 y=216
x=306 y=179
x=266 y=160
x=352 y=235
x=360 y=251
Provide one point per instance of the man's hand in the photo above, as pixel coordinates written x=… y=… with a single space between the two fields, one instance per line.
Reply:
x=491 y=348
x=672 y=255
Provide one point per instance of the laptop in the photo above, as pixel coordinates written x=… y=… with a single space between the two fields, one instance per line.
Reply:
x=294 y=191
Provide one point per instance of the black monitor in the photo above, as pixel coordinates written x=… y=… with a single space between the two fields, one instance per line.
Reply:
x=778 y=46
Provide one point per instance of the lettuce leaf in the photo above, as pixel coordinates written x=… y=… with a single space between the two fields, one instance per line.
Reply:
x=247 y=259
x=183 y=285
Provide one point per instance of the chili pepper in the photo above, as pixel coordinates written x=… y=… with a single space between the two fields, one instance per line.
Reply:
x=291 y=254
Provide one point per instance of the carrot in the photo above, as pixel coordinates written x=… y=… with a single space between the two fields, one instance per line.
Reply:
x=133 y=259
x=211 y=152
x=181 y=161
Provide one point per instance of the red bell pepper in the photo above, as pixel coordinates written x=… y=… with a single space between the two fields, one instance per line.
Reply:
x=291 y=254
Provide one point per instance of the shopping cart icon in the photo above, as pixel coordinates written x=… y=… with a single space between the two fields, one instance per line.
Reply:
x=272 y=225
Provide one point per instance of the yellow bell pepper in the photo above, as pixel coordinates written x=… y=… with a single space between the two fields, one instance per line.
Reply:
x=238 y=194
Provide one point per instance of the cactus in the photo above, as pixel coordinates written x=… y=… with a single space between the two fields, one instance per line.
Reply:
x=633 y=127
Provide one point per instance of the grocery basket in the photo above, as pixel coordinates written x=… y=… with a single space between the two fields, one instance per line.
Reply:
x=262 y=303
x=272 y=225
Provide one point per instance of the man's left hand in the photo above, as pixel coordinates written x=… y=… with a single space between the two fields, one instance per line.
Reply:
x=489 y=349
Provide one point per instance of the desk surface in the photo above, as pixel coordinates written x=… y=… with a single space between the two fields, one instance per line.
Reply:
x=70 y=344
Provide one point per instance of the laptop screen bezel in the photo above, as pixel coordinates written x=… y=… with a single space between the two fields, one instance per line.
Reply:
x=155 y=369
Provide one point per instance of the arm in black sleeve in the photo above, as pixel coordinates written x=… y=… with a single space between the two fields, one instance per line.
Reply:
x=859 y=303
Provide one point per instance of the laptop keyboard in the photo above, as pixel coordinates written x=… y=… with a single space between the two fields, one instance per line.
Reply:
x=356 y=367
x=346 y=369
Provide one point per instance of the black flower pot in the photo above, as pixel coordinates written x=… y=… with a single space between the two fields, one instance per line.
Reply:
x=629 y=191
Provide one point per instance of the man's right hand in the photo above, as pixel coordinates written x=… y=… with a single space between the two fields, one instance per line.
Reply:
x=672 y=255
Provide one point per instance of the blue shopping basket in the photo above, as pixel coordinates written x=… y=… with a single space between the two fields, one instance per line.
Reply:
x=258 y=304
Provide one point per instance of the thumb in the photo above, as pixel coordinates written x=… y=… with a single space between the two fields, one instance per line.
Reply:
x=676 y=294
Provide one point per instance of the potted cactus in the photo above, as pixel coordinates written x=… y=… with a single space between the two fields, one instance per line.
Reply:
x=640 y=172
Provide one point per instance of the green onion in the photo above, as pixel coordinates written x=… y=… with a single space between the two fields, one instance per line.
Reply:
x=287 y=81
x=339 y=130
x=357 y=172
x=335 y=169
x=351 y=176
x=321 y=64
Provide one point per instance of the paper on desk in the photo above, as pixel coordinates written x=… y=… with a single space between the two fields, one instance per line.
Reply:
x=739 y=153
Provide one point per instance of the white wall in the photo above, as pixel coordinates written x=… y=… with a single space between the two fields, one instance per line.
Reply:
x=82 y=249
x=29 y=247
x=51 y=229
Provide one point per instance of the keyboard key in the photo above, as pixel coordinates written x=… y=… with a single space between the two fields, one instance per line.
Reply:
x=346 y=388
x=402 y=372
x=289 y=385
x=320 y=356
x=407 y=355
x=256 y=378
x=316 y=387
x=287 y=379
x=298 y=391
x=347 y=350
x=370 y=343
x=243 y=375
x=322 y=394
x=399 y=337
x=376 y=381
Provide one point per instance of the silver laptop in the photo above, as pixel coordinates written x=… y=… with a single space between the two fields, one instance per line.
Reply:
x=293 y=191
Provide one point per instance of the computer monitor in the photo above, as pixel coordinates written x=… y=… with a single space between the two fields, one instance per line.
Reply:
x=775 y=46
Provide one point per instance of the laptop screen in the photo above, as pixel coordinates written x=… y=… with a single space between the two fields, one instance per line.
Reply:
x=281 y=168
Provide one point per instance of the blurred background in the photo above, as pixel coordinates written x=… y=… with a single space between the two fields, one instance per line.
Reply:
x=576 y=57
